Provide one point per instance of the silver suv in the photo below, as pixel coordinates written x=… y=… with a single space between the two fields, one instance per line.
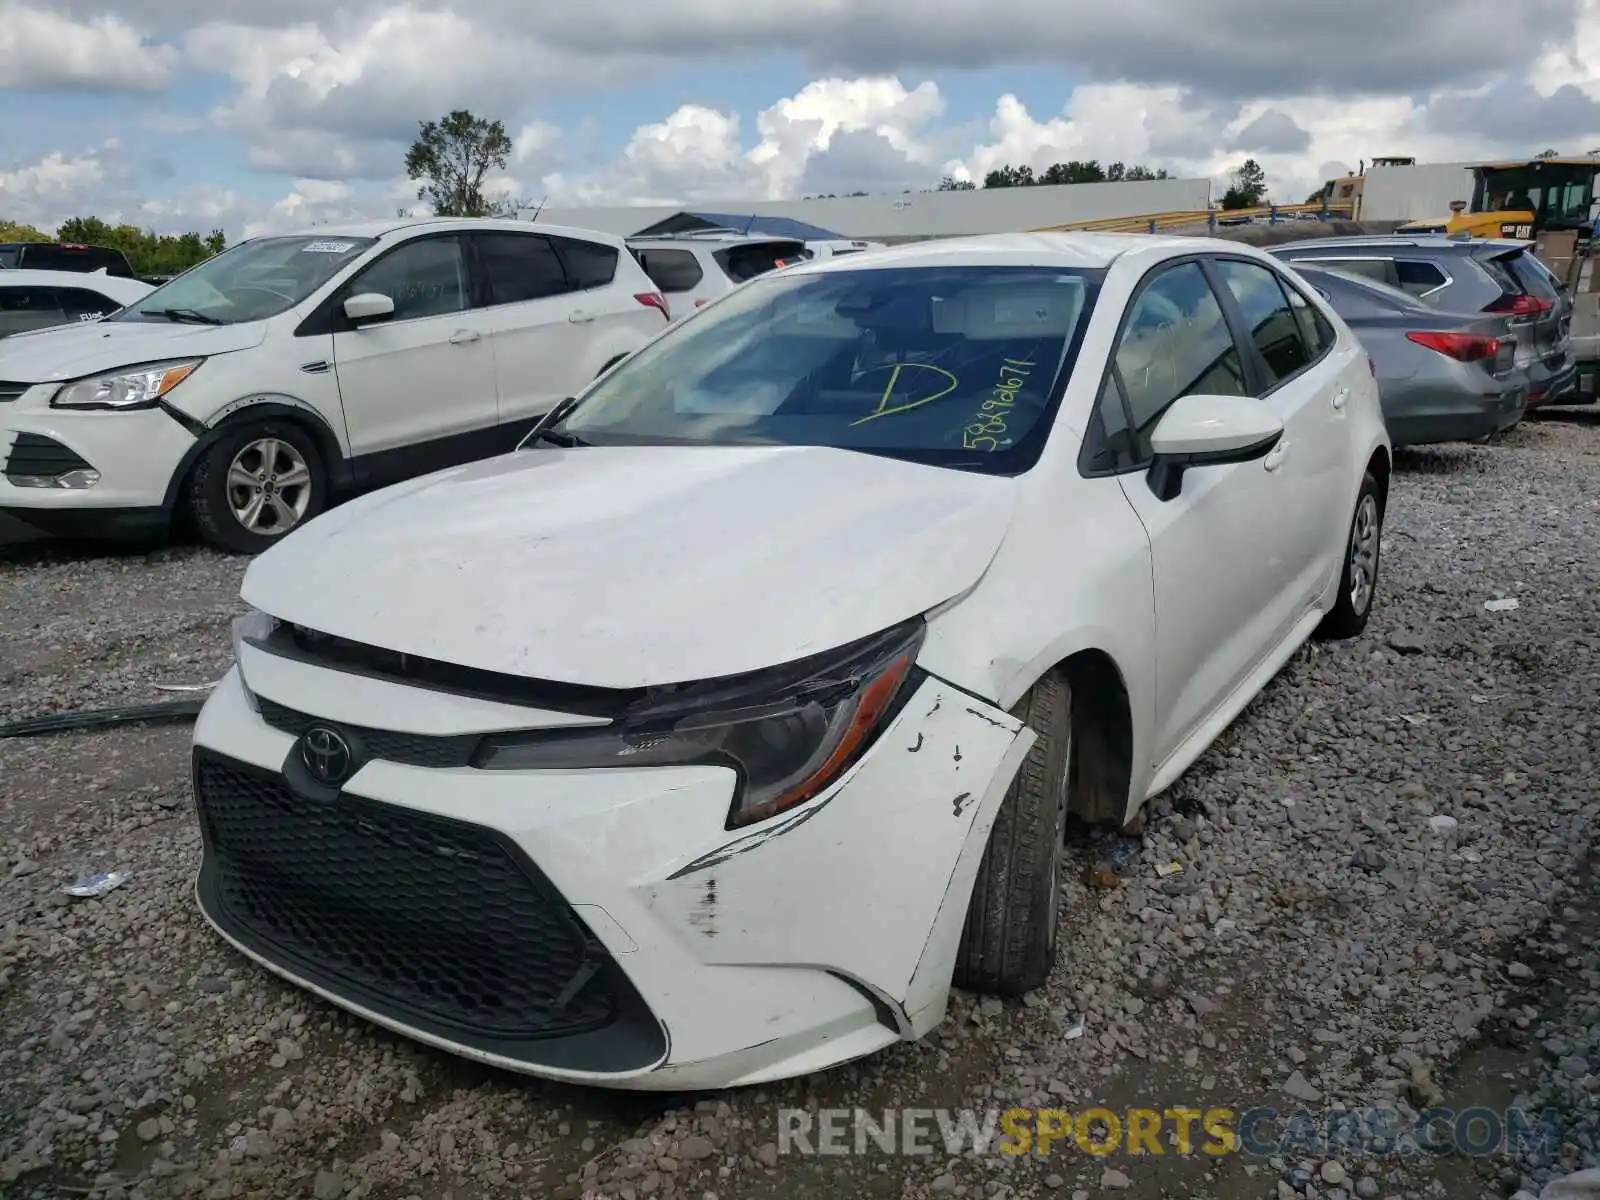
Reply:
x=1489 y=275
x=693 y=269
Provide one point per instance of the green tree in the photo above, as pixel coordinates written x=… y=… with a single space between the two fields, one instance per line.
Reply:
x=1071 y=171
x=11 y=231
x=451 y=158
x=149 y=252
x=1248 y=188
x=951 y=184
x=1548 y=154
x=1009 y=176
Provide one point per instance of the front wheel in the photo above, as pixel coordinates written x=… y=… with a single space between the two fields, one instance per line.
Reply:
x=256 y=483
x=1358 y=582
x=1009 y=944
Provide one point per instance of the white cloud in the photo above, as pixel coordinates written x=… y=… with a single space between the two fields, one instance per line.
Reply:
x=41 y=50
x=325 y=100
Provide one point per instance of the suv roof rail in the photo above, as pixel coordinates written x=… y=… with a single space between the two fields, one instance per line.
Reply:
x=691 y=234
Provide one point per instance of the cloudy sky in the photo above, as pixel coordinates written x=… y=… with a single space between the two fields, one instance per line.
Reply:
x=194 y=114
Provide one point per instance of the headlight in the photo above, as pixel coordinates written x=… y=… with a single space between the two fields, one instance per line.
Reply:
x=789 y=732
x=132 y=387
x=254 y=627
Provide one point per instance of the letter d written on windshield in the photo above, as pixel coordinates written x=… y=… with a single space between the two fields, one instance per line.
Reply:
x=887 y=407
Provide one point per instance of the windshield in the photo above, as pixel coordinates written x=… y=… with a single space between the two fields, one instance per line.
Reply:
x=954 y=366
x=252 y=281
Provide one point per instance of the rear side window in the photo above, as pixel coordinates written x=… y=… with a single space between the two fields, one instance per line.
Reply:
x=80 y=304
x=1380 y=269
x=1417 y=277
x=24 y=308
x=1315 y=331
x=520 y=266
x=671 y=270
x=45 y=256
x=1267 y=315
x=588 y=264
x=749 y=261
x=10 y=257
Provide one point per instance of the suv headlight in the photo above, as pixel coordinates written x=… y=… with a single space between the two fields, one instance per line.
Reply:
x=788 y=732
x=128 y=388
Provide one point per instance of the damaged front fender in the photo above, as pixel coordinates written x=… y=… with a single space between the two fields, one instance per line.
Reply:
x=871 y=881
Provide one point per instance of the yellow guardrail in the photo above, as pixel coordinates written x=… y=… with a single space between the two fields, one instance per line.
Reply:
x=1157 y=221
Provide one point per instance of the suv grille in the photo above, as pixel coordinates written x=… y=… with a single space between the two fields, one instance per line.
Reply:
x=440 y=925
x=411 y=749
x=11 y=391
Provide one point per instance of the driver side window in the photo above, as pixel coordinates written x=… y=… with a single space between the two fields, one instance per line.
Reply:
x=424 y=278
x=1176 y=343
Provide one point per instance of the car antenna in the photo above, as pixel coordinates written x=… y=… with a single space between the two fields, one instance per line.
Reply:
x=539 y=209
x=749 y=225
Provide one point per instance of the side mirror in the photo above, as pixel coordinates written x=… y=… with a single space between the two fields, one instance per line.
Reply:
x=1198 y=431
x=368 y=307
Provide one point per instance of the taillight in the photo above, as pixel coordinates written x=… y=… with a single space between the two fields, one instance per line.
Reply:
x=654 y=300
x=1520 y=306
x=1463 y=347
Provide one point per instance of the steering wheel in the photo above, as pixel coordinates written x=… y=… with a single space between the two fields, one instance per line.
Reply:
x=255 y=287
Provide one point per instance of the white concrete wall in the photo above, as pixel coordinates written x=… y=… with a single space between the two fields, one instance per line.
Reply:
x=929 y=214
x=1414 y=193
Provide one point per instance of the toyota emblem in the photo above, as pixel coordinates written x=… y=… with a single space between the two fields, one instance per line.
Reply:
x=326 y=755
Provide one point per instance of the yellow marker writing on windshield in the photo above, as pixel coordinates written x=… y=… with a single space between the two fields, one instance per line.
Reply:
x=885 y=409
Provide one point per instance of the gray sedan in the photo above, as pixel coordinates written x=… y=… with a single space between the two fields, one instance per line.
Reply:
x=1442 y=376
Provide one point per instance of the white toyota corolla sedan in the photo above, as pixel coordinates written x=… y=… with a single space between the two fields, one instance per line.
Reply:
x=706 y=739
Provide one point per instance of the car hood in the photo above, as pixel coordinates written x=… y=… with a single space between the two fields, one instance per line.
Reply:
x=634 y=566
x=74 y=351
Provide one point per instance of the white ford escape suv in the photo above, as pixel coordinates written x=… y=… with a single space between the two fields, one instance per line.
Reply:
x=255 y=386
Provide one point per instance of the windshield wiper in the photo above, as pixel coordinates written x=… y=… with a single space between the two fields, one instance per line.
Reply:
x=188 y=316
x=545 y=430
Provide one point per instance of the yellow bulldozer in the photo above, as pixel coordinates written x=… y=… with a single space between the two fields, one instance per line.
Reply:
x=1522 y=200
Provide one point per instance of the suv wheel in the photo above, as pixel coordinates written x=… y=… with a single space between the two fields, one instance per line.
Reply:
x=256 y=483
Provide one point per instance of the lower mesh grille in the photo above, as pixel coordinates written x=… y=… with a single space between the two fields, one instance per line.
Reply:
x=34 y=455
x=444 y=926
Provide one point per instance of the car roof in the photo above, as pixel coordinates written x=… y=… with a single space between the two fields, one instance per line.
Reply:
x=1071 y=251
x=410 y=225
x=99 y=281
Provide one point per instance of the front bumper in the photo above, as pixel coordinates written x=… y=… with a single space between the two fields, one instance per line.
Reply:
x=133 y=454
x=596 y=926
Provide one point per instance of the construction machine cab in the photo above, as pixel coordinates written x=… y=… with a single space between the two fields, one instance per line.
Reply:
x=1524 y=199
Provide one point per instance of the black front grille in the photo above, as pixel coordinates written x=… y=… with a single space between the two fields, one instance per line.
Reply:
x=441 y=925
x=411 y=749
x=35 y=455
x=11 y=391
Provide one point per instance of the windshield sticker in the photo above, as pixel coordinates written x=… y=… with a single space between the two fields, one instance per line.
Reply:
x=328 y=248
x=887 y=409
x=988 y=427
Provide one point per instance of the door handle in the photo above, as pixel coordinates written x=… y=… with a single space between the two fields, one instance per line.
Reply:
x=463 y=336
x=1274 y=460
x=579 y=317
x=1341 y=398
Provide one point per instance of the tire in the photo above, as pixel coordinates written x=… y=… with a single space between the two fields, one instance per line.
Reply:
x=299 y=483
x=1348 y=617
x=1009 y=943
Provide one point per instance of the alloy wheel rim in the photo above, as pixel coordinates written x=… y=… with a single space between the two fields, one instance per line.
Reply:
x=1364 y=553
x=269 y=487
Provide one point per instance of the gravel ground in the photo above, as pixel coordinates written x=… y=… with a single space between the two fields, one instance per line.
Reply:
x=1383 y=902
